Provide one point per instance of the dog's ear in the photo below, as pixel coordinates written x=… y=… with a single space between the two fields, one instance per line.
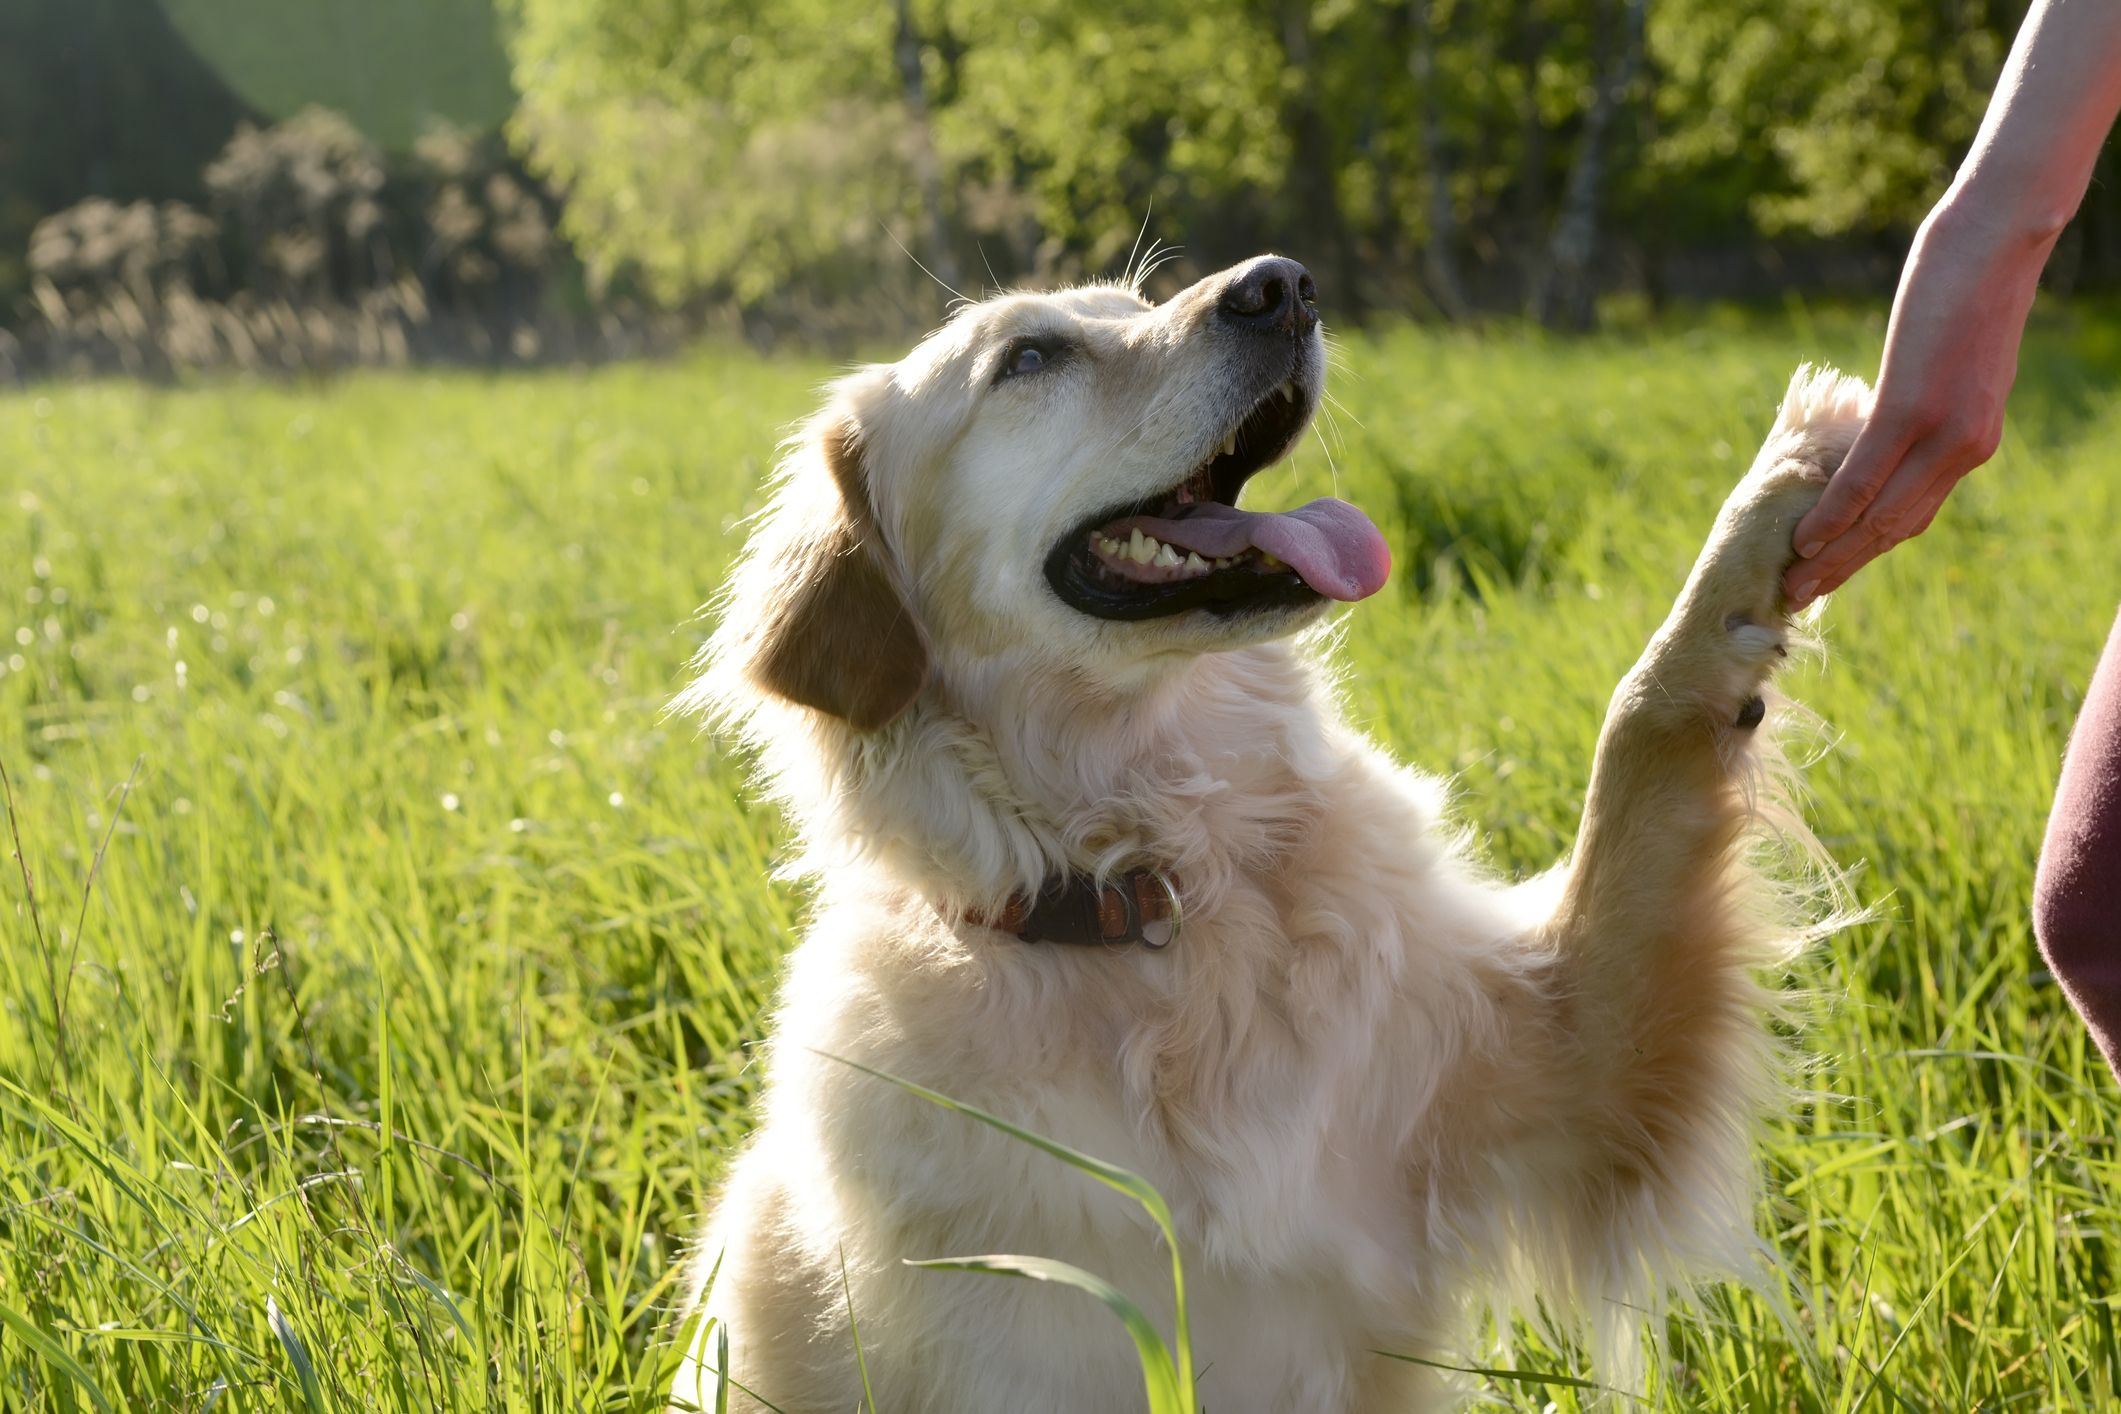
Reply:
x=832 y=630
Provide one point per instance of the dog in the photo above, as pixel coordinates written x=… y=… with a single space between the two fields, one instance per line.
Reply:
x=1095 y=850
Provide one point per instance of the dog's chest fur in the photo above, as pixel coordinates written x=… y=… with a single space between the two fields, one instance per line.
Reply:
x=1256 y=1071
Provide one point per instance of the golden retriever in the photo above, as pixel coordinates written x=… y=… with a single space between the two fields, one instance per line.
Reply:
x=1000 y=637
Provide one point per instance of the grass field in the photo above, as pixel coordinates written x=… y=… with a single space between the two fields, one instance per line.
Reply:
x=383 y=1058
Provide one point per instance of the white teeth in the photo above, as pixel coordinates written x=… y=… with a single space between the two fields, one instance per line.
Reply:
x=1224 y=563
x=1230 y=445
x=1146 y=550
x=1288 y=389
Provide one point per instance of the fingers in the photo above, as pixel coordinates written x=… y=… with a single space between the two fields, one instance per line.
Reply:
x=1863 y=473
x=1841 y=558
x=1890 y=496
x=1902 y=511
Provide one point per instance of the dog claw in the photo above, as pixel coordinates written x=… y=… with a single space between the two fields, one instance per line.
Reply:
x=1752 y=714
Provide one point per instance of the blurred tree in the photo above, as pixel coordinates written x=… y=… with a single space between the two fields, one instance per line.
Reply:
x=98 y=98
x=1563 y=289
x=786 y=156
x=1072 y=105
x=1818 y=117
x=97 y=252
x=315 y=250
x=1440 y=251
x=394 y=68
x=908 y=50
x=1047 y=128
x=732 y=148
x=302 y=201
x=730 y=145
x=487 y=232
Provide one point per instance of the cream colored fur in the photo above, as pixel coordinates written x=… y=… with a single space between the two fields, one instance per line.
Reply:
x=1381 y=1091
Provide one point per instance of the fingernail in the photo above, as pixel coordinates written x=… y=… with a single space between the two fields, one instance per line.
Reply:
x=1810 y=548
x=1802 y=594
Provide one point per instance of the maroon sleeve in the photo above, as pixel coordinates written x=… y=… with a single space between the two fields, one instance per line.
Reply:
x=2077 y=895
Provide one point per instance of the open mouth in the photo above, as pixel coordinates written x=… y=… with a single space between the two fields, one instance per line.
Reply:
x=1192 y=548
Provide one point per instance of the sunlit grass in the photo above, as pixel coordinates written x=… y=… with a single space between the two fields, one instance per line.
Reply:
x=387 y=1061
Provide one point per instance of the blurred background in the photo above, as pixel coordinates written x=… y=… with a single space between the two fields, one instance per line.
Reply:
x=253 y=183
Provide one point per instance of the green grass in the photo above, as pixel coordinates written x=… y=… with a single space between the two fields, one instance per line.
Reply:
x=386 y=1060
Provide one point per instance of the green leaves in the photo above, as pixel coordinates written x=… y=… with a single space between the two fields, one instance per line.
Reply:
x=1814 y=117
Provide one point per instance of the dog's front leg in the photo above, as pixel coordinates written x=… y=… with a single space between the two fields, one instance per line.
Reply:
x=1654 y=1058
x=1656 y=892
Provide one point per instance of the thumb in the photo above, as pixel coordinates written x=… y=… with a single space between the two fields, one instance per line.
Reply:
x=1850 y=491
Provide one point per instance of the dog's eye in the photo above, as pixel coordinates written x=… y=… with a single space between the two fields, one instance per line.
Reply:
x=1027 y=356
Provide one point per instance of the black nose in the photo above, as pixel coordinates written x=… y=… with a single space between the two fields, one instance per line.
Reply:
x=1272 y=294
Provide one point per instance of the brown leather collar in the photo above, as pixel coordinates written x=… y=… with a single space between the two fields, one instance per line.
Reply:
x=1140 y=906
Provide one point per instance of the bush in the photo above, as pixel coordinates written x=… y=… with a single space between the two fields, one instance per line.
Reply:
x=302 y=201
x=90 y=254
x=315 y=254
x=488 y=230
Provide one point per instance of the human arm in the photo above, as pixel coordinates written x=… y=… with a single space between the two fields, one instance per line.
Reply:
x=1951 y=349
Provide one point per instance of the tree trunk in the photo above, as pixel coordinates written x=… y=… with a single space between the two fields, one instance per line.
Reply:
x=1313 y=179
x=941 y=262
x=1528 y=229
x=1563 y=296
x=1439 y=256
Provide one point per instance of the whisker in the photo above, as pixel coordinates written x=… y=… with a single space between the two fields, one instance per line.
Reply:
x=1332 y=425
x=1170 y=254
x=1340 y=365
x=1141 y=271
x=961 y=296
x=1338 y=406
x=1332 y=466
x=1126 y=274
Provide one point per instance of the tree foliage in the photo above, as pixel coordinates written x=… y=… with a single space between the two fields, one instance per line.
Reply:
x=1820 y=117
x=98 y=98
x=777 y=156
x=1458 y=150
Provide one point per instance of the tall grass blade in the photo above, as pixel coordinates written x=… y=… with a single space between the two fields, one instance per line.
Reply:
x=1167 y=1393
x=297 y=1355
x=55 y=1355
x=1534 y=1378
x=1111 y=1175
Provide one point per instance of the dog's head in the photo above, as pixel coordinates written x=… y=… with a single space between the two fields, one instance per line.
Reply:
x=1049 y=482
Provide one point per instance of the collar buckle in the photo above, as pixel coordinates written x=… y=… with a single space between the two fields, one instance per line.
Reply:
x=1141 y=906
x=1160 y=933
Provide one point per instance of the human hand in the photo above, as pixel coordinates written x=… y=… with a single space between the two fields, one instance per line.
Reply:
x=1951 y=354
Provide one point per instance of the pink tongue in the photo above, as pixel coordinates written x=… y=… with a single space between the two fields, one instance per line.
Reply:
x=1331 y=544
